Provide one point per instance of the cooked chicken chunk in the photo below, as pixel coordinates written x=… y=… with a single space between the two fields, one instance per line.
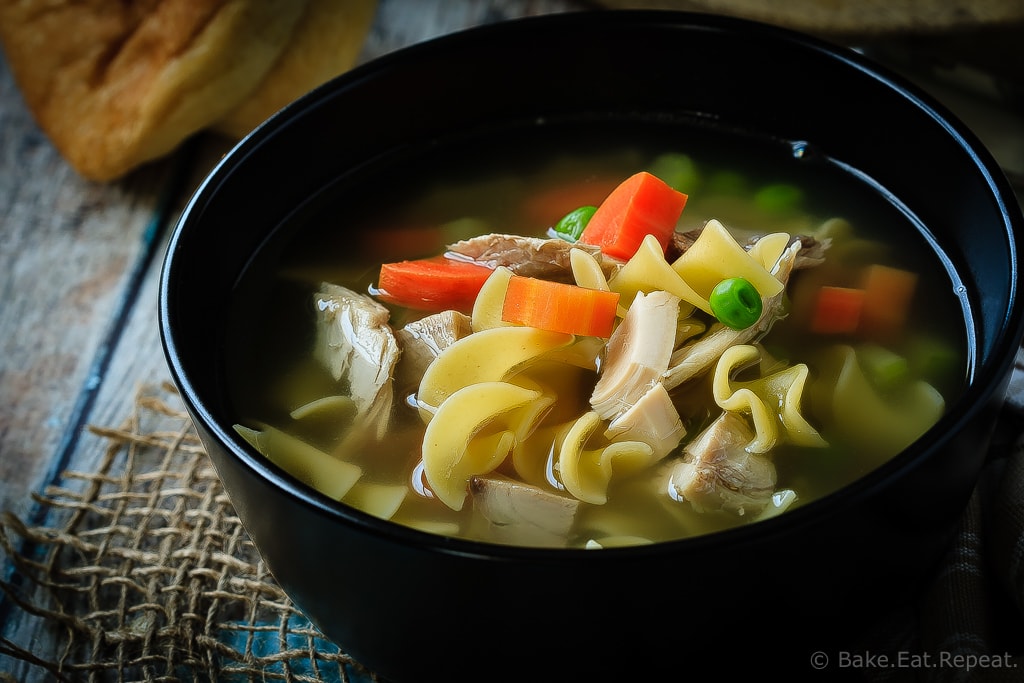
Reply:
x=547 y=259
x=423 y=340
x=681 y=242
x=523 y=514
x=717 y=473
x=638 y=353
x=653 y=419
x=356 y=345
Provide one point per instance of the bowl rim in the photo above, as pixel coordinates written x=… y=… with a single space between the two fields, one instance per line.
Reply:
x=982 y=387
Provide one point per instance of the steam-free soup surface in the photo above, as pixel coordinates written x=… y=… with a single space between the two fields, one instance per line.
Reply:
x=663 y=424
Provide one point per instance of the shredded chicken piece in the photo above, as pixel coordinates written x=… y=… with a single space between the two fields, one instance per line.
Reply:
x=637 y=354
x=653 y=419
x=356 y=345
x=812 y=252
x=718 y=473
x=423 y=340
x=547 y=259
x=681 y=242
x=523 y=514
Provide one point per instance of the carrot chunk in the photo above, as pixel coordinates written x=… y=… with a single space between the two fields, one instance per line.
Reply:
x=432 y=284
x=837 y=310
x=559 y=307
x=641 y=205
x=888 y=293
x=546 y=207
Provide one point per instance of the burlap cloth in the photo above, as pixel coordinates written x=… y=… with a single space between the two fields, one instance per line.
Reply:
x=140 y=571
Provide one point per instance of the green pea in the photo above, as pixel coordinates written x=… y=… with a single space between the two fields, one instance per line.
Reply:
x=727 y=183
x=933 y=360
x=677 y=170
x=778 y=198
x=736 y=303
x=571 y=225
x=883 y=368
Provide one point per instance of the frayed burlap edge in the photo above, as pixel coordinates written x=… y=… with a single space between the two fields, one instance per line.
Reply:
x=141 y=571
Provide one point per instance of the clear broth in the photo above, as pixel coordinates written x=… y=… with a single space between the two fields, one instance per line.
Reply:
x=504 y=184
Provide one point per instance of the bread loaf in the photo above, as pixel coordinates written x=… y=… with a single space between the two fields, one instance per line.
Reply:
x=116 y=84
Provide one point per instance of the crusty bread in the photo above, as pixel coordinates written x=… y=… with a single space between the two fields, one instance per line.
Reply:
x=116 y=84
x=325 y=43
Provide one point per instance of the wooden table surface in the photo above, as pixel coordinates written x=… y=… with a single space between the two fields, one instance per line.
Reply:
x=79 y=261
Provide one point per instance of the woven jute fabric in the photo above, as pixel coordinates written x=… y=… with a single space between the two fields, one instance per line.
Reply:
x=140 y=571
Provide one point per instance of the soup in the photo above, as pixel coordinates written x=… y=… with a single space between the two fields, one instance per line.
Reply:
x=434 y=347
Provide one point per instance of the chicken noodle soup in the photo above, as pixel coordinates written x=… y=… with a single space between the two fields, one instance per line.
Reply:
x=713 y=335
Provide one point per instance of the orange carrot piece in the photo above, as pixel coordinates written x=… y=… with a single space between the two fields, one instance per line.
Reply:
x=837 y=310
x=559 y=307
x=546 y=207
x=642 y=204
x=403 y=242
x=888 y=295
x=432 y=284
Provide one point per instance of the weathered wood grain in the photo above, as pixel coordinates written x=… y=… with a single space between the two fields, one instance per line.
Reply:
x=400 y=23
x=67 y=248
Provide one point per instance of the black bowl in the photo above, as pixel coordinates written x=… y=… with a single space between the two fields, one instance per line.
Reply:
x=414 y=606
